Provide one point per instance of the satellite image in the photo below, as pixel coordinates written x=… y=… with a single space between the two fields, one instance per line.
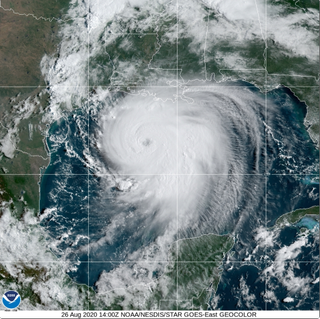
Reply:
x=159 y=155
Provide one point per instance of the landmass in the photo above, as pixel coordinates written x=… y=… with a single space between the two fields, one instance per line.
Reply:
x=193 y=273
x=296 y=215
x=28 y=31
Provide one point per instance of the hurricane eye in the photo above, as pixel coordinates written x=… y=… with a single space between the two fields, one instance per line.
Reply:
x=147 y=142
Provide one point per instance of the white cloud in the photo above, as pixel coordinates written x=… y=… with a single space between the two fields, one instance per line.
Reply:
x=23 y=247
x=8 y=143
x=288 y=299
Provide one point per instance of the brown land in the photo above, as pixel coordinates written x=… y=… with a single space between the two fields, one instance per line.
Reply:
x=28 y=31
x=24 y=39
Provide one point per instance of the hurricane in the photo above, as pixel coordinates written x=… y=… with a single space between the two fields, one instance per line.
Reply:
x=160 y=155
x=169 y=157
x=176 y=166
x=135 y=173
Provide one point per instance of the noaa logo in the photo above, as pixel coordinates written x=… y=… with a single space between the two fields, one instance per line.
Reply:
x=11 y=299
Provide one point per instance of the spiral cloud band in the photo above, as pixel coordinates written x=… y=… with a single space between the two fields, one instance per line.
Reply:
x=184 y=161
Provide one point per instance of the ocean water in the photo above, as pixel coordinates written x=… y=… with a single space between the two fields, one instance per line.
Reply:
x=247 y=287
x=78 y=206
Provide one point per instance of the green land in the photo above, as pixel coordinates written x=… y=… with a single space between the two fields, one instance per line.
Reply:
x=131 y=60
x=294 y=216
x=23 y=42
x=193 y=273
